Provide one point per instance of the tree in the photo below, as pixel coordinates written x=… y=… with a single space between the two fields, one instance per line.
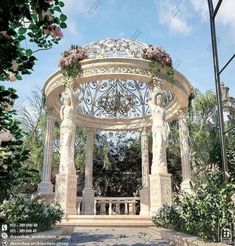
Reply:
x=117 y=164
x=174 y=156
x=203 y=127
x=23 y=22
x=14 y=173
x=33 y=119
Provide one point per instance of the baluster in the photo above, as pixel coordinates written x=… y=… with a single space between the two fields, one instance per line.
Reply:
x=117 y=207
x=95 y=202
x=110 y=208
x=132 y=208
x=126 y=208
x=78 y=209
x=102 y=207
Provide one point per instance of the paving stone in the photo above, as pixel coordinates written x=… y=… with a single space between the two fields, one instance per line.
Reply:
x=112 y=236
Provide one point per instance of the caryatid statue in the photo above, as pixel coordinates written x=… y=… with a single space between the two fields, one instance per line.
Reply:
x=67 y=132
x=160 y=131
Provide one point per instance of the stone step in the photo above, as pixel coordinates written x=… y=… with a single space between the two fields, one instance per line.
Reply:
x=107 y=221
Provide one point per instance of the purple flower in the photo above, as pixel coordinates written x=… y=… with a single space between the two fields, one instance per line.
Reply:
x=157 y=54
x=72 y=57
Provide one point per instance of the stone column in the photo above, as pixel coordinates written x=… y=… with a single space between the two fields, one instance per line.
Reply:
x=46 y=187
x=144 y=192
x=66 y=180
x=88 y=192
x=185 y=152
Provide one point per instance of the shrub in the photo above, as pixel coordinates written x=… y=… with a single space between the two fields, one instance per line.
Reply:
x=201 y=213
x=169 y=217
x=21 y=209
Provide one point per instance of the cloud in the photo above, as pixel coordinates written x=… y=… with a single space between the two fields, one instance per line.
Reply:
x=73 y=28
x=201 y=7
x=179 y=25
x=225 y=15
x=85 y=7
x=174 y=16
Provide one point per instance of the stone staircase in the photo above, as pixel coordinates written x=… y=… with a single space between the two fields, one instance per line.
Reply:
x=107 y=221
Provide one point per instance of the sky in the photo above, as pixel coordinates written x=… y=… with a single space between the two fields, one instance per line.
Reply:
x=181 y=27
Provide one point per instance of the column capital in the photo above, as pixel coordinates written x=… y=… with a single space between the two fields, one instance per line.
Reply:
x=145 y=131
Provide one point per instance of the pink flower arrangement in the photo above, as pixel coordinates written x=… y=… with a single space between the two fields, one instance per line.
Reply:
x=69 y=62
x=54 y=31
x=159 y=55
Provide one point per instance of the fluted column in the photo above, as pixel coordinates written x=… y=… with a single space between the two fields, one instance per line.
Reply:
x=89 y=158
x=185 y=152
x=46 y=186
x=88 y=192
x=144 y=192
x=145 y=158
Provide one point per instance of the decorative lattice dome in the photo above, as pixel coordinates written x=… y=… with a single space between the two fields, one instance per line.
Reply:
x=115 y=48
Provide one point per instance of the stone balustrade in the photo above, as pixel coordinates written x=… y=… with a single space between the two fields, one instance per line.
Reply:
x=113 y=205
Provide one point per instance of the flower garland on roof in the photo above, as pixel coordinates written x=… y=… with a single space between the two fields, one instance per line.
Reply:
x=70 y=61
x=159 y=59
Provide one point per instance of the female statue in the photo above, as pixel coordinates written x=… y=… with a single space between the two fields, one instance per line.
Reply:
x=160 y=133
x=67 y=131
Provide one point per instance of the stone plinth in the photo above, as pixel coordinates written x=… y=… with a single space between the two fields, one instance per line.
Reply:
x=144 y=201
x=160 y=191
x=45 y=187
x=48 y=198
x=88 y=201
x=66 y=192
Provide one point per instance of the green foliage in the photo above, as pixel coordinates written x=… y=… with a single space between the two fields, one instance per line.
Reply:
x=203 y=129
x=117 y=164
x=203 y=212
x=14 y=173
x=34 y=119
x=173 y=156
x=26 y=21
x=20 y=209
x=169 y=217
x=155 y=68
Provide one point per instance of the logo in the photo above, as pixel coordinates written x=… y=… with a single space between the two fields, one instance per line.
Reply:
x=4 y=227
x=4 y=235
x=226 y=233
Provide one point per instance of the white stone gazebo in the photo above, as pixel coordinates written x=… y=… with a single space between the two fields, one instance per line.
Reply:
x=115 y=90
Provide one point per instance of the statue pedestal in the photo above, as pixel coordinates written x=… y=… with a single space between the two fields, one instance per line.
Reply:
x=160 y=191
x=45 y=187
x=144 y=201
x=88 y=196
x=66 y=192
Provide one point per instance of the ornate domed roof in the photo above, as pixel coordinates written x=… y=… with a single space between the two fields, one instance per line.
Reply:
x=115 y=48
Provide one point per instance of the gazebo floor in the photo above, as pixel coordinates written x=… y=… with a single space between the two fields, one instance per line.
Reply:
x=107 y=221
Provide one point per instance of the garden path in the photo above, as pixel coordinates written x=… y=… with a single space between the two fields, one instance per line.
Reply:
x=112 y=236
